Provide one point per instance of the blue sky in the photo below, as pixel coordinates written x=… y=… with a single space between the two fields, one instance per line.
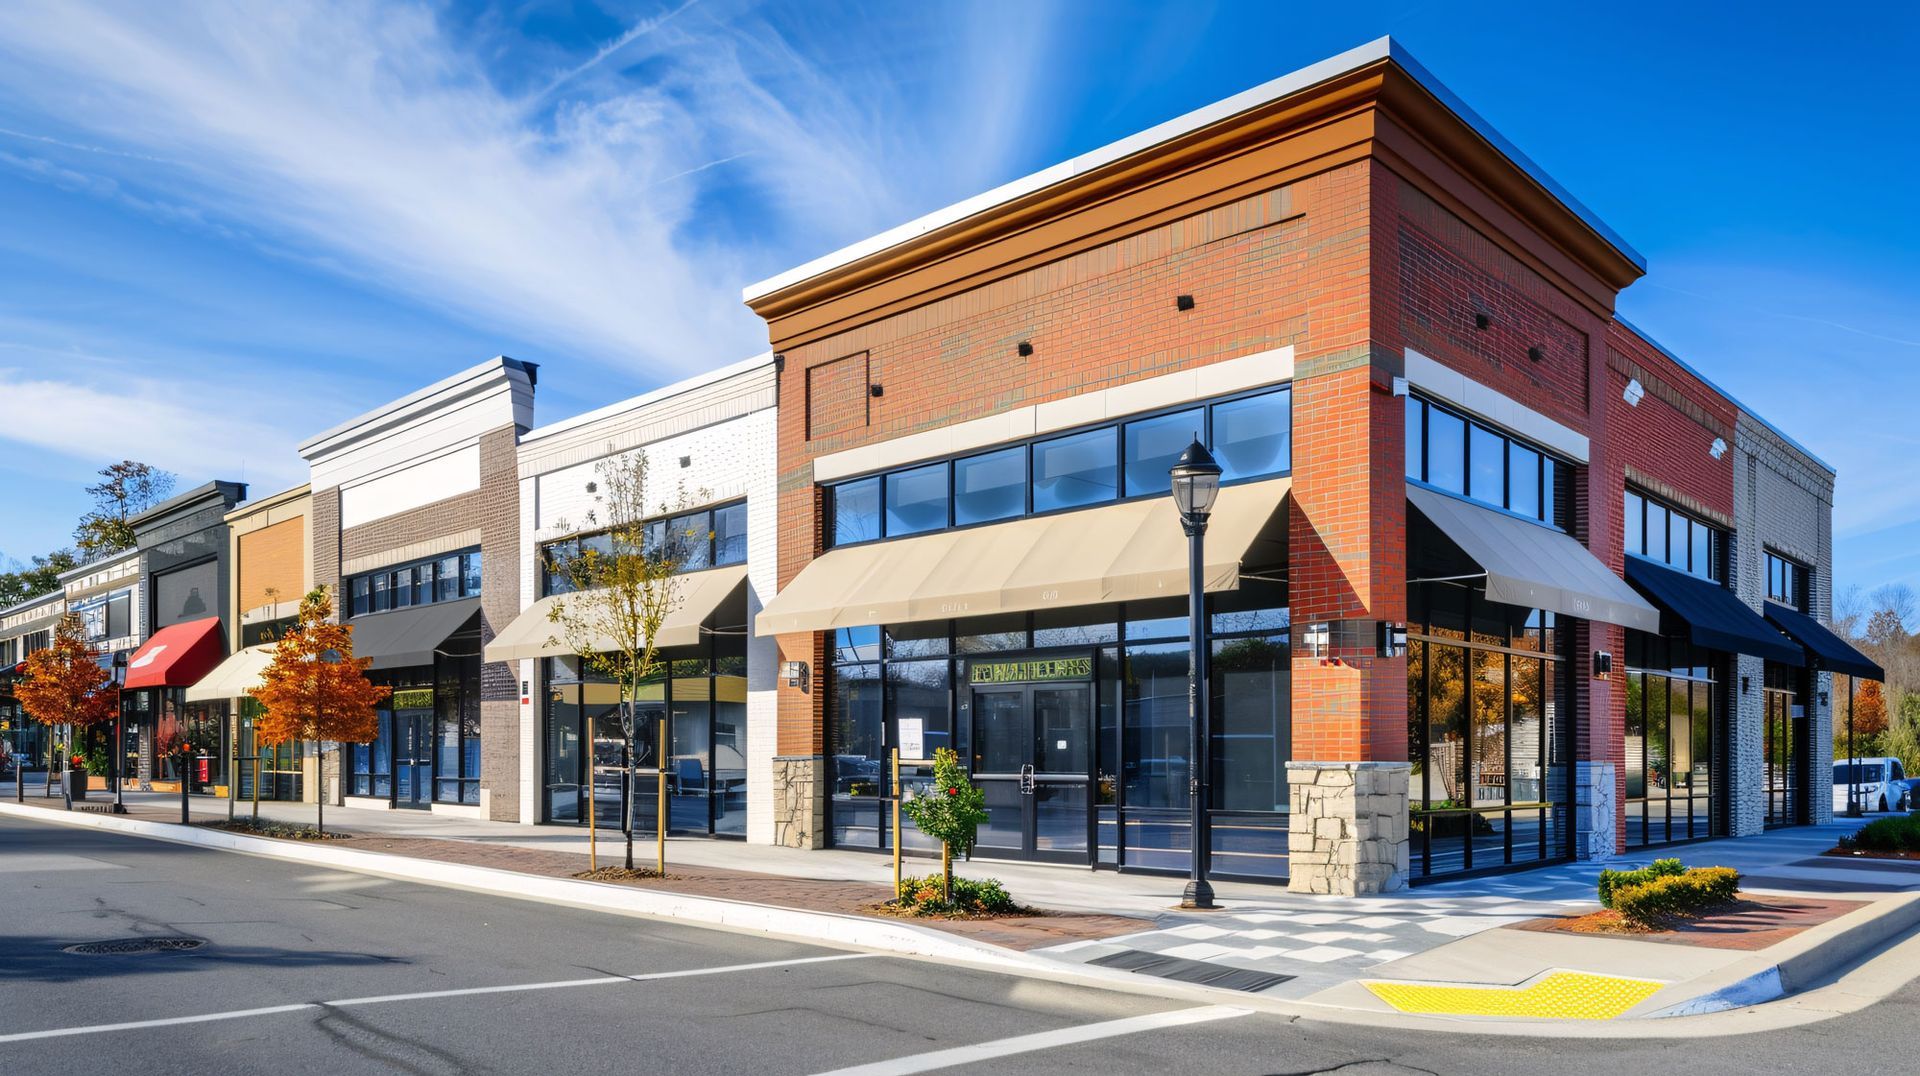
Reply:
x=226 y=226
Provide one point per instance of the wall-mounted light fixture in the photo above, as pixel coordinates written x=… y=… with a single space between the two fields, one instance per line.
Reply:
x=1602 y=664
x=1823 y=698
x=1746 y=685
x=593 y=487
x=1025 y=349
x=1481 y=320
x=686 y=461
x=1183 y=302
x=1400 y=386
x=1635 y=392
x=1718 y=448
x=1537 y=354
x=794 y=673
x=876 y=390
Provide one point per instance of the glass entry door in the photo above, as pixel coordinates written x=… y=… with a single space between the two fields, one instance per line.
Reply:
x=1032 y=756
x=1782 y=765
x=413 y=758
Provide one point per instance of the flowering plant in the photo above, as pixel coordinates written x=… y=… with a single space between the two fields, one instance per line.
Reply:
x=952 y=818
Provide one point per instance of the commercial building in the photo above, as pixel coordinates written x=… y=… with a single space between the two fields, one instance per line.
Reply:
x=1485 y=576
x=107 y=597
x=415 y=526
x=184 y=574
x=708 y=450
x=24 y=628
x=270 y=551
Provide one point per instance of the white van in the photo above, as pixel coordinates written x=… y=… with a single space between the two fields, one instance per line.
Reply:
x=1880 y=784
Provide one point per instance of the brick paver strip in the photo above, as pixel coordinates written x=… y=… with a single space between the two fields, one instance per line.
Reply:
x=806 y=894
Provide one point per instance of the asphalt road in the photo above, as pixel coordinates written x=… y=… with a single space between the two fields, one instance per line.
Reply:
x=362 y=974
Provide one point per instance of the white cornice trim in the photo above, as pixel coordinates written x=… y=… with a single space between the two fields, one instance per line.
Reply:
x=1450 y=386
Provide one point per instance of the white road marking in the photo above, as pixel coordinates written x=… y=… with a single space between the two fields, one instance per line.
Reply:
x=95 y=1029
x=384 y=999
x=1045 y=1040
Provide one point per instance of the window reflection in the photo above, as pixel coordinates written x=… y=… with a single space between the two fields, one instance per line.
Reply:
x=1074 y=471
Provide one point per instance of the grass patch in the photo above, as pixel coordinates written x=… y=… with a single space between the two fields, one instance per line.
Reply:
x=1899 y=833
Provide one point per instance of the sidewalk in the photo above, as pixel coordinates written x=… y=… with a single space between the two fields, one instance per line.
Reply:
x=1284 y=946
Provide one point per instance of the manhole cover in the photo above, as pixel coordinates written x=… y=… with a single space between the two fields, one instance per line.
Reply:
x=125 y=946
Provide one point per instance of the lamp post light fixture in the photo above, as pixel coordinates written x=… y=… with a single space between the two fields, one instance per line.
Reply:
x=1196 y=482
x=118 y=756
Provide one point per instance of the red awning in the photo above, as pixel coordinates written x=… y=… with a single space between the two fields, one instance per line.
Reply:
x=178 y=655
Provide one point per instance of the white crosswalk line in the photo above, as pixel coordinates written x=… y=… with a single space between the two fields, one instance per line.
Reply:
x=1044 y=1040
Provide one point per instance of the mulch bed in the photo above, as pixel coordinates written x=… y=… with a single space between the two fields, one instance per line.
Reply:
x=1867 y=853
x=279 y=831
x=1748 y=924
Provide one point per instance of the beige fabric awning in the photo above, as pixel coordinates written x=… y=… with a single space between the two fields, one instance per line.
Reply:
x=1120 y=552
x=231 y=678
x=533 y=634
x=1534 y=566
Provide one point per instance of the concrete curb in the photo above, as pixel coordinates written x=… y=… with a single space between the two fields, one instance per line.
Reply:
x=1800 y=962
x=809 y=926
x=1883 y=972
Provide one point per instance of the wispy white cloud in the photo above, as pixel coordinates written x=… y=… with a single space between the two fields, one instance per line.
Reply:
x=371 y=134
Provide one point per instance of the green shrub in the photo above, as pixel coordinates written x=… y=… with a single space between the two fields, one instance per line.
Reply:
x=985 y=896
x=1899 y=833
x=1612 y=881
x=1651 y=903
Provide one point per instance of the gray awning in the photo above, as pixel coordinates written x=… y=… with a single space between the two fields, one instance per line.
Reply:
x=1534 y=566
x=406 y=638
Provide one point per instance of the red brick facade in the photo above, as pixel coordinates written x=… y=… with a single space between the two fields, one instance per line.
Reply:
x=1327 y=224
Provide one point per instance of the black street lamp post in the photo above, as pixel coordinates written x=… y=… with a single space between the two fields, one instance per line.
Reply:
x=1196 y=481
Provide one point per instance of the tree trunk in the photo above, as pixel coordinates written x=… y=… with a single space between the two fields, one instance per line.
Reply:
x=184 y=818
x=946 y=872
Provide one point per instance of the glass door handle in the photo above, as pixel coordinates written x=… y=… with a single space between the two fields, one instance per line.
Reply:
x=1026 y=780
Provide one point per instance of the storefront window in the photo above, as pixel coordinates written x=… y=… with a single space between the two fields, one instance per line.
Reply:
x=856 y=511
x=1487 y=733
x=855 y=715
x=1671 y=741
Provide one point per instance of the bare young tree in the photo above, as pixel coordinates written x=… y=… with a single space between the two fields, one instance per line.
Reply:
x=1897 y=599
x=622 y=589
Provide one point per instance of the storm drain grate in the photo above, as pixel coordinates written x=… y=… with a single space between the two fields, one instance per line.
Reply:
x=127 y=946
x=1183 y=970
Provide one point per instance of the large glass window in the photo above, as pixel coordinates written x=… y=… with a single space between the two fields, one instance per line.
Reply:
x=1251 y=436
x=916 y=500
x=703 y=539
x=989 y=487
x=1488 y=732
x=1672 y=741
x=1671 y=536
x=1072 y=471
x=443 y=579
x=856 y=511
x=1153 y=444
x=1447 y=451
x=1141 y=751
x=1786 y=582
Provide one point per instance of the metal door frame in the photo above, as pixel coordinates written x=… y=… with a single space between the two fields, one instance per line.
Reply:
x=1029 y=813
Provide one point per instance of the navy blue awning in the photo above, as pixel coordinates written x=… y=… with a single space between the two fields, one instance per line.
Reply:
x=1710 y=614
x=1829 y=651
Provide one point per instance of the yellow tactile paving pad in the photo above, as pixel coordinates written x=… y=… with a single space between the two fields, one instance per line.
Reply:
x=1564 y=995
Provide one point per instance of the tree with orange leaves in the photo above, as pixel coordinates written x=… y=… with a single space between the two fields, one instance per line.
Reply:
x=65 y=684
x=315 y=689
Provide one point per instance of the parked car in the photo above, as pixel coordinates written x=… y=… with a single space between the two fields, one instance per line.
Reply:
x=1880 y=784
